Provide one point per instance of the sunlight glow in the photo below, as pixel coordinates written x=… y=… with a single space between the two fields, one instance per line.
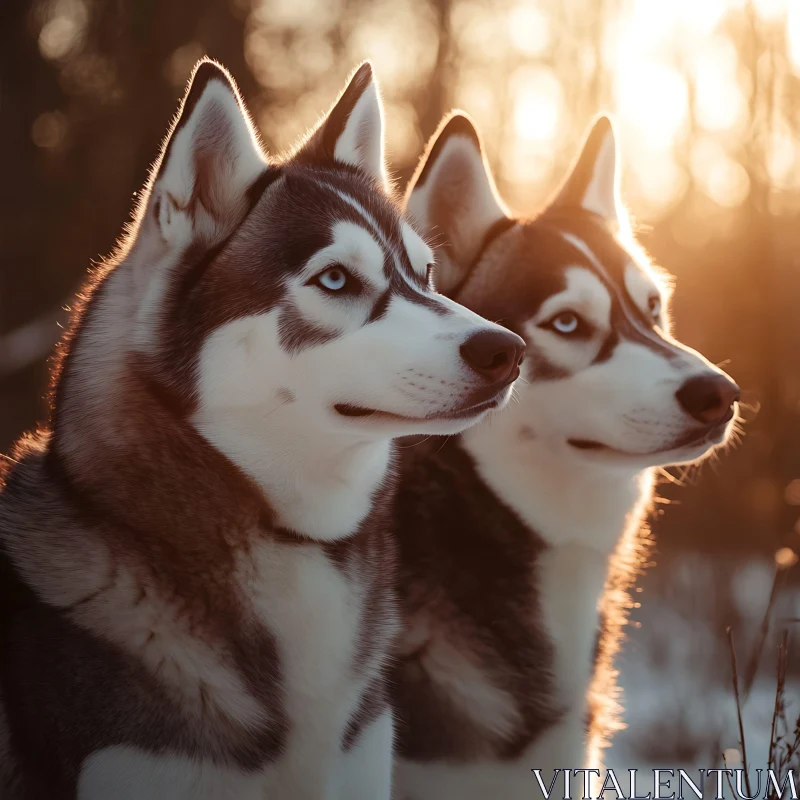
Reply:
x=657 y=21
x=276 y=71
x=404 y=141
x=308 y=14
x=376 y=38
x=701 y=17
x=525 y=164
x=482 y=33
x=782 y=157
x=653 y=97
x=180 y=63
x=49 y=129
x=472 y=93
x=62 y=32
x=529 y=29
x=722 y=178
x=792 y=493
x=786 y=558
x=771 y=10
x=674 y=73
x=660 y=181
x=538 y=98
x=719 y=102
x=793 y=34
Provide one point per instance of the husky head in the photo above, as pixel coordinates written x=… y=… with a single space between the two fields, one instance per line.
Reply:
x=605 y=379
x=250 y=284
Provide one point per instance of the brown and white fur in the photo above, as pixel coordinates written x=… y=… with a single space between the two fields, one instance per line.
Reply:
x=507 y=533
x=196 y=573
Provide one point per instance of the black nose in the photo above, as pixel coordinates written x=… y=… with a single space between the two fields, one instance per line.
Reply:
x=708 y=398
x=495 y=354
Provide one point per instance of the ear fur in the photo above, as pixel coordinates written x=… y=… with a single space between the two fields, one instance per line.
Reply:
x=352 y=131
x=210 y=159
x=593 y=182
x=452 y=197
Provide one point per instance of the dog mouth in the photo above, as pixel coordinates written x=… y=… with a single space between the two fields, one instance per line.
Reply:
x=703 y=438
x=376 y=415
x=484 y=399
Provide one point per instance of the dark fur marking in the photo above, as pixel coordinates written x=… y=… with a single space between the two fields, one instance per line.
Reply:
x=452 y=527
x=191 y=275
x=534 y=269
x=421 y=295
x=380 y=306
x=260 y=185
x=374 y=703
x=174 y=402
x=627 y=318
x=538 y=368
x=296 y=334
x=607 y=348
x=427 y=300
x=381 y=221
x=371 y=559
x=43 y=697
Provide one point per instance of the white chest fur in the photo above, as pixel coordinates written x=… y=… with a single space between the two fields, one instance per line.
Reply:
x=570 y=580
x=581 y=512
x=315 y=613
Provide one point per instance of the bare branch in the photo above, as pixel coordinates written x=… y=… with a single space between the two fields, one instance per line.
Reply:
x=739 y=710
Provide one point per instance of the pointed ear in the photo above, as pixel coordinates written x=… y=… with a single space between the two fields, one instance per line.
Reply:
x=210 y=159
x=452 y=198
x=593 y=183
x=352 y=131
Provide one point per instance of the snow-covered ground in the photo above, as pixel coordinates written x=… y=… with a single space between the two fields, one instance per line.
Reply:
x=676 y=669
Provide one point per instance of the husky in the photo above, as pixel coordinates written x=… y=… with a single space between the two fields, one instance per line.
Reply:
x=507 y=533
x=198 y=591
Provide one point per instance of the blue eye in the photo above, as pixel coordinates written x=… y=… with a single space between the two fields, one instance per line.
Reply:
x=335 y=279
x=566 y=323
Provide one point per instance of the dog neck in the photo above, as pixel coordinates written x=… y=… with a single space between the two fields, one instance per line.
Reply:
x=113 y=434
x=247 y=466
x=567 y=500
x=320 y=483
x=590 y=515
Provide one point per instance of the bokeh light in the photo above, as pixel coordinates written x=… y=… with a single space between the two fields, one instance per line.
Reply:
x=529 y=29
x=538 y=101
x=684 y=80
x=786 y=558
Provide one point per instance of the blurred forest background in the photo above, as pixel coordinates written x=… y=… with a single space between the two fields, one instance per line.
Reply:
x=706 y=94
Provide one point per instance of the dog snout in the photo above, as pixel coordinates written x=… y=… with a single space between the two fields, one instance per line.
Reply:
x=708 y=398
x=494 y=354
